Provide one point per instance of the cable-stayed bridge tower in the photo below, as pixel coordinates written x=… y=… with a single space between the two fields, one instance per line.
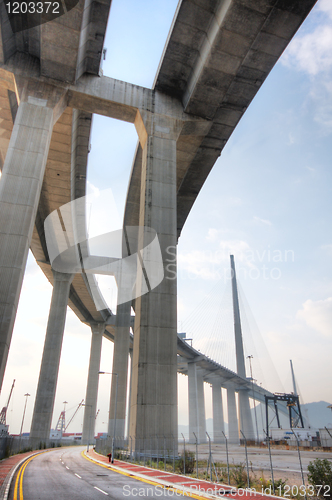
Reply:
x=245 y=420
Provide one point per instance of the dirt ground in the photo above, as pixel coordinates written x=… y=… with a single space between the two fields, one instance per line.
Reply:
x=286 y=465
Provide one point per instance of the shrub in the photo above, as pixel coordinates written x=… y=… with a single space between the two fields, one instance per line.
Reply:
x=320 y=477
x=239 y=475
x=189 y=460
x=279 y=486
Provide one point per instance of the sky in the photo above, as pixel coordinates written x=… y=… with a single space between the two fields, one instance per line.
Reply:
x=267 y=201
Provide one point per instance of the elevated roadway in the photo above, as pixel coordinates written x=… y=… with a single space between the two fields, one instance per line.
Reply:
x=216 y=58
x=218 y=54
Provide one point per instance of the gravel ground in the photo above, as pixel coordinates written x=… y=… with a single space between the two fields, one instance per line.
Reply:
x=286 y=464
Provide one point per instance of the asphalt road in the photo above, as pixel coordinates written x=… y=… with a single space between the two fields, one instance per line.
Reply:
x=63 y=474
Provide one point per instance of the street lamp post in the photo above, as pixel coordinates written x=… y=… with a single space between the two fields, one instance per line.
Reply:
x=89 y=435
x=115 y=409
x=253 y=393
x=25 y=406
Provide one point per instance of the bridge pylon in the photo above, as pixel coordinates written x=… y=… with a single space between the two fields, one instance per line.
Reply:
x=245 y=419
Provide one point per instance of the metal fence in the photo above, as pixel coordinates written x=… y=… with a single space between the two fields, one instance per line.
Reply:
x=11 y=445
x=157 y=452
x=220 y=462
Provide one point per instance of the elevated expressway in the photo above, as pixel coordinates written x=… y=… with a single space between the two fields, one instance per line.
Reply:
x=217 y=56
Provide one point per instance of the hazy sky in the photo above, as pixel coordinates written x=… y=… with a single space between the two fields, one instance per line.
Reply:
x=267 y=201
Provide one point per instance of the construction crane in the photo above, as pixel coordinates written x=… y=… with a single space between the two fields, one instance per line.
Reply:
x=60 y=426
x=3 y=413
x=79 y=406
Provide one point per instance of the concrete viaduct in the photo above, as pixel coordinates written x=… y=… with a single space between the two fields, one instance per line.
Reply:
x=217 y=55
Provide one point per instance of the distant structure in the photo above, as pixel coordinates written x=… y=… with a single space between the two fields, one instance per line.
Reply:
x=245 y=424
x=3 y=415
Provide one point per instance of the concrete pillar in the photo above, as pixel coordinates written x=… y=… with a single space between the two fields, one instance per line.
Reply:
x=218 y=413
x=48 y=376
x=233 y=430
x=193 y=402
x=131 y=377
x=154 y=383
x=120 y=366
x=93 y=382
x=201 y=408
x=20 y=187
x=245 y=417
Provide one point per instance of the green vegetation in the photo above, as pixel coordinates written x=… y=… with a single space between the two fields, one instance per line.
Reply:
x=189 y=462
x=320 y=477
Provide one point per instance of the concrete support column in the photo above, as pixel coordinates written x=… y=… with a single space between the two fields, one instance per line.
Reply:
x=48 y=376
x=93 y=382
x=233 y=430
x=131 y=378
x=193 y=402
x=201 y=409
x=154 y=383
x=120 y=366
x=245 y=418
x=20 y=187
x=218 y=413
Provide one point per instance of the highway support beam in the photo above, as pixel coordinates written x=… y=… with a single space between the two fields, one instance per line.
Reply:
x=129 y=398
x=233 y=430
x=196 y=400
x=21 y=182
x=201 y=408
x=153 y=410
x=245 y=418
x=192 y=402
x=218 y=413
x=48 y=376
x=120 y=367
x=91 y=397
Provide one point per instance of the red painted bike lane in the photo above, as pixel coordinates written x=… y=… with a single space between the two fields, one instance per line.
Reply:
x=188 y=486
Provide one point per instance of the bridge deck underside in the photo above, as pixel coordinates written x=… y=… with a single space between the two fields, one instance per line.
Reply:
x=216 y=58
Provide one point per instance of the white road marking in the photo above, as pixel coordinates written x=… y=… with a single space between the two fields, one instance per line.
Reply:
x=67 y=467
x=78 y=476
x=101 y=491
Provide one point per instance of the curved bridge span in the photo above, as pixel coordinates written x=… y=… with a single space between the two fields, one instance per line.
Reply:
x=217 y=56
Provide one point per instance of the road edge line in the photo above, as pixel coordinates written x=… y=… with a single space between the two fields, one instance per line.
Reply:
x=172 y=486
x=8 y=480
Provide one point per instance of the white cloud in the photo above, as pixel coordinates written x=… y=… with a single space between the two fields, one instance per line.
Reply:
x=291 y=139
x=238 y=248
x=101 y=211
x=212 y=234
x=215 y=263
x=327 y=249
x=318 y=315
x=262 y=221
x=325 y=6
x=312 y=52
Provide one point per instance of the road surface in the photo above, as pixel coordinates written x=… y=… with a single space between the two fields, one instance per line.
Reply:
x=64 y=474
